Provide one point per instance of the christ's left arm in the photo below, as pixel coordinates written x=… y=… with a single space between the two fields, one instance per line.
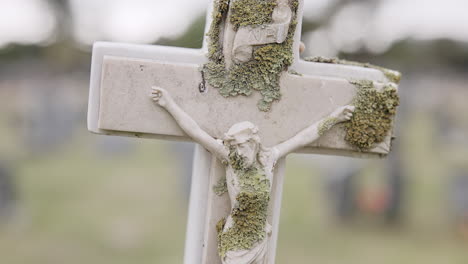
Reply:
x=313 y=132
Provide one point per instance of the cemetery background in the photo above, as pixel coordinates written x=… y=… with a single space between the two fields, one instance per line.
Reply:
x=75 y=197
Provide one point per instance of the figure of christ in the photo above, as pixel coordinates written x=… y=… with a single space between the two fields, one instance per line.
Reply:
x=243 y=236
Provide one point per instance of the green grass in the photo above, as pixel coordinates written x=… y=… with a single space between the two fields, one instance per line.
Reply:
x=309 y=234
x=78 y=207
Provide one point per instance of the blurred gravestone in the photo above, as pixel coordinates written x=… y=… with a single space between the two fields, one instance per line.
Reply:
x=396 y=182
x=342 y=180
x=342 y=193
x=458 y=199
x=46 y=121
x=348 y=194
x=452 y=129
x=7 y=193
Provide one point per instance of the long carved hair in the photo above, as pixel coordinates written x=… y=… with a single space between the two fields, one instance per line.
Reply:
x=243 y=132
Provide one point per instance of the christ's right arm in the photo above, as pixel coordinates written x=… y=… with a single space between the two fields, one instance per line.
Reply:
x=190 y=127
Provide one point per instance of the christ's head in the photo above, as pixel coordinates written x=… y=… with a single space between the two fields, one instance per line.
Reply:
x=243 y=137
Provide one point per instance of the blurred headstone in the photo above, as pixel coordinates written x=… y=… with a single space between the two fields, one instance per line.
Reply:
x=7 y=193
x=458 y=200
x=342 y=181
x=396 y=182
x=342 y=192
x=349 y=196
x=46 y=120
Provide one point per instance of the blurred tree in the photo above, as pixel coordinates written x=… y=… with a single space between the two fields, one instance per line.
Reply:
x=326 y=17
x=191 y=38
x=64 y=19
x=63 y=51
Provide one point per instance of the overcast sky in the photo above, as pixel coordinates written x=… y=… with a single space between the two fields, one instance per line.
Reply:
x=145 y=21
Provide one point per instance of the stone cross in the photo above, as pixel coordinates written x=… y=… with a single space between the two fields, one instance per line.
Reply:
x=202 y=85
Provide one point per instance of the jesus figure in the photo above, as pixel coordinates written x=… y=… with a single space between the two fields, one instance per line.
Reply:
x=244 y=235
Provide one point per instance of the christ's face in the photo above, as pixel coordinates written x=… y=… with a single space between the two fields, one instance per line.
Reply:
x=248 y=150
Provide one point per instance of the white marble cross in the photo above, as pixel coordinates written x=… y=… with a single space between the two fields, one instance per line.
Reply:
x=121 y=80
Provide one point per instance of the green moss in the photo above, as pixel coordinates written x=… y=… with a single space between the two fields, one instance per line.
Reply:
x=263 y=72
x=252 y=12
x=326 y=125
x=220 y=225
x=375 y=110
x=374 y=114
x=215 y=73
x=391 y=75
x=250 y=213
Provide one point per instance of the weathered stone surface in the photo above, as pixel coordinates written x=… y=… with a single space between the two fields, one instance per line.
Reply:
x=125 y=107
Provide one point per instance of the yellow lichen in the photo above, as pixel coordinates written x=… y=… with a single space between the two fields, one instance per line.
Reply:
x=252 y=12
x=373 y=117
x=326 y=125
x=220 y=9
x=251 y=210
x=220 y=225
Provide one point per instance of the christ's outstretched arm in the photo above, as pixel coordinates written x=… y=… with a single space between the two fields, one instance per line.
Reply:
x=313 y=132
x=190 y=127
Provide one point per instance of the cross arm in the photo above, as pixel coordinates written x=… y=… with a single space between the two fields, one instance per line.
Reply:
x=122 y=76
x=108 y=54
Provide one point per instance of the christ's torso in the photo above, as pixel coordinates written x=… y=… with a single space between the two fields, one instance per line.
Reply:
x=246 y=228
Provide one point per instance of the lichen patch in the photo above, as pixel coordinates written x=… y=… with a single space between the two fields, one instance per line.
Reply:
x=251 y=210
x=326 y=125
x=220 y=10
x=373 y=117
x=252 y=12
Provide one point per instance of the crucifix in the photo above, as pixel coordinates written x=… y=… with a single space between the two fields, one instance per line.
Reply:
x=249 y=100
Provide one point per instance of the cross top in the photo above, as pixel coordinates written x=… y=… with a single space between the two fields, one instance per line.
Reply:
x=248 y=99
x=234 y=27
x=249 y=44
